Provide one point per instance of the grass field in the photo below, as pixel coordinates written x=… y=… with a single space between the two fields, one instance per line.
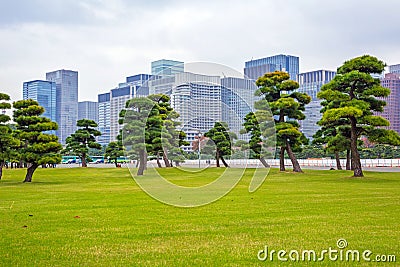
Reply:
x=100 y=217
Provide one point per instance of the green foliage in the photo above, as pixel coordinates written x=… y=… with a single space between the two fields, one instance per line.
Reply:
x=36 y=147
x=222 y=138
x=8 y=143
x=352 y=98
x=83 y=139
x=287 y=106
x=114 y=150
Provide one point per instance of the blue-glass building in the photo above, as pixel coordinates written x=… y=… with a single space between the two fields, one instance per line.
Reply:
x=88 y=110
x=166 y=67
x=44 y=92
x=258 y=67
x=66 y=101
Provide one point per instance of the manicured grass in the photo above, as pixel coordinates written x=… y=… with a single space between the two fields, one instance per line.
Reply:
x=100 y=217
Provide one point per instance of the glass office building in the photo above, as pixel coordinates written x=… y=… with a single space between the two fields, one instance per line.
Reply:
x=66 y=101
x=258 y=67
x=166 y=67
x=44 y=92
x=88 y=110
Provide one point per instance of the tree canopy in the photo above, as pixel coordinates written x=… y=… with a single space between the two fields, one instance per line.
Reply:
x=7 y=142
x=222 y=138
x=37 y=147
x=287 y=106
x=354 y=95
x=84 y=138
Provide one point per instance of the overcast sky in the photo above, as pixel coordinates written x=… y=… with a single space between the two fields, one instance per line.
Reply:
x=105 y=41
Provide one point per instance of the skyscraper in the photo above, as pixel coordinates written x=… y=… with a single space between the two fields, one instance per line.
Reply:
x=104 y=122
x=311 y=83
x=66 y=101
x=258 y=67
x=394 y=68
x=110 y=105
x=392 y=109
x=166 y=67
x=88 y=110
x=201 y=100
x=44 y=92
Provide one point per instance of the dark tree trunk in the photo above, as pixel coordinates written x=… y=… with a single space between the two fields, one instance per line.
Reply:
x=348 y=167
x=142 y=163
x=293 y=159
x=1 y=169
x=158 y=160
x=171 y=163
x=355 y=156
x=224 y=162
x=264 y=163
x=137 y=163
x=282 y=159
x=338 y=166
x=177 y=163
x=29 y=173
x=165 y=158
x=84 y=164
x=217 y=157
x=116 y=162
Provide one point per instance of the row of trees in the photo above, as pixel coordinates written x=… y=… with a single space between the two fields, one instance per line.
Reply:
x=350 y=101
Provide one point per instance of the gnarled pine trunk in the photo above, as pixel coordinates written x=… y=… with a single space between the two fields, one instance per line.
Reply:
x=348 y=164
x=264 y=163
x=84 y=164
x=217 y=157
x=142 y=162
x=355 y=156
x=29 y=172
x=165 y=158
x=293 y=159
x=282 y=159
x=1 y=169
x=224 y=162
x=338 y=166
x=158 y=160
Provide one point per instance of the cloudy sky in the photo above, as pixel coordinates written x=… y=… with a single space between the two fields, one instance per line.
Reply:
x=108 y=40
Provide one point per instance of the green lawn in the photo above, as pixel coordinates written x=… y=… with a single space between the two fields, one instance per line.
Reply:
x=100 y=217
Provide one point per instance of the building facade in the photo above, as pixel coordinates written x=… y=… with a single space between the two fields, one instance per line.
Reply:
x=110 y=105
x=166 y=67
x=258 y=67
x=392 y=109
x=66 y=101
x=44 y=92
x=88 y=110
x=394 y=68
x=202 y=100
x=104 y=122
x=311 y=83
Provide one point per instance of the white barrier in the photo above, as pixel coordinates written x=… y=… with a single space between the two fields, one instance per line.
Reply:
x=331 y=163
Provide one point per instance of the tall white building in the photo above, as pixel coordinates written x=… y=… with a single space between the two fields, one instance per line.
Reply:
x=104 y=123
x=202 y=100
x=111 y=104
